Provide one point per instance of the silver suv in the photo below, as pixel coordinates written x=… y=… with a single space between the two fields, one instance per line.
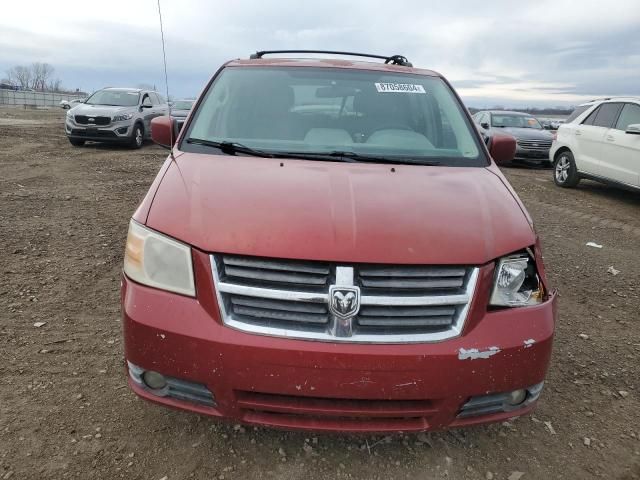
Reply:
x=115 y=115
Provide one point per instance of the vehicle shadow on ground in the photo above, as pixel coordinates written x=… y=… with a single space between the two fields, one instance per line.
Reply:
x=630 y=197
x=120 y=147
x=527 y=166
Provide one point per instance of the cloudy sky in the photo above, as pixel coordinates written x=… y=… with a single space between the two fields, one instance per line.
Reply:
x=528 y=53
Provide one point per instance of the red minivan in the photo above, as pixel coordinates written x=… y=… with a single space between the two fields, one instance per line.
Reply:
x=330 y=246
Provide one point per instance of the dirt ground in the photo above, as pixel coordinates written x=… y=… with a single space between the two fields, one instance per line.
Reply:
x=65 y=410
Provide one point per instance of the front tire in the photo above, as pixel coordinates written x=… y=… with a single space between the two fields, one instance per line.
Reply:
x=75 y=142
x=137 y=136
x=565 y=172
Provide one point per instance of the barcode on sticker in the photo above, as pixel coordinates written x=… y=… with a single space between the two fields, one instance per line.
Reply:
x=399 y=88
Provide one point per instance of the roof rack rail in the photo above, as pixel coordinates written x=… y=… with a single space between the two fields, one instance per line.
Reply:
x=613 y=97
x=393 y=59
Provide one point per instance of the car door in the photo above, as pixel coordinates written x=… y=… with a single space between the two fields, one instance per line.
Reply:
x=589 y=137
x=147 y=112
x=163 y=106
x=621 y=153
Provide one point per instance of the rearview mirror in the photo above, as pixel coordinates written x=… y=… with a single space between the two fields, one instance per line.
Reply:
x=164 y=131
x=502 y=148
x=633 y=129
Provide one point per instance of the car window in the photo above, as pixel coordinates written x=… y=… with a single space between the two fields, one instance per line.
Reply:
x=607 y=115
x=515 y=121
x=591 y=117
x=116 y=98
x=323 y=110
x=577 y=112
x=630 y=115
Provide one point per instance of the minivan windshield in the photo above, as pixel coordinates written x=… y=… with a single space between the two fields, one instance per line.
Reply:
x=321 y=112
x=116 y=98
x=514 y=120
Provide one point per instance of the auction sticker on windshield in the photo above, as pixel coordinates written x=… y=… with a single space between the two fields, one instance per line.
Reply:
x=399 y=88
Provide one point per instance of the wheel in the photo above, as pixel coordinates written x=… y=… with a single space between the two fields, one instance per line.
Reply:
x=137 y=136
x=565 y=173
x=75 y=142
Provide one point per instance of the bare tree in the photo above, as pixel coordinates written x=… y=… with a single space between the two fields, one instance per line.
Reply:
x=41 y=73
x=37 y=76
x=55 y=85
x=20 y=76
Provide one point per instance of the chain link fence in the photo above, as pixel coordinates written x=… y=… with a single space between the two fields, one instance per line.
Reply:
x=29 y=99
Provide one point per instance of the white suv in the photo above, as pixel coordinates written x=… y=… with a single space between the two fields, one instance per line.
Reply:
x=599 y=141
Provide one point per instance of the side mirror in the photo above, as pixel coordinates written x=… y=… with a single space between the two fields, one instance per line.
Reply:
x=502 y=148
x=485 y=125
x=633 y=129
x=164 y=131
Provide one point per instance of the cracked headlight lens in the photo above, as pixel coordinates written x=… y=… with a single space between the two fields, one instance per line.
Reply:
x=516 y=283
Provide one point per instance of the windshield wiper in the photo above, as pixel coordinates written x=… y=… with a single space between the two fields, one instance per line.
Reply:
x=230 y=148
x=360 y=157
x=351 y=157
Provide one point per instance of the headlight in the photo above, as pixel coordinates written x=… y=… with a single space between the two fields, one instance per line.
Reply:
x=158 y=261
x=124 y=116
x=69 y=114
x=516 y=282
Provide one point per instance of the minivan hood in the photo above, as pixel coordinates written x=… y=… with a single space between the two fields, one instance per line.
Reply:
x=315 y=210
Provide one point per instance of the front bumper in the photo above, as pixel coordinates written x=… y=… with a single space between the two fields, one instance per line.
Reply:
x=322 y=386
x=117 y=132
x=538 y=156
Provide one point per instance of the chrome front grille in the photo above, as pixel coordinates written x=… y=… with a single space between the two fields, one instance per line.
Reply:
x=275 y=273
x=538 y=145
x=291 y=298
x=390 y=280
x=410 y=317
x=273 y=311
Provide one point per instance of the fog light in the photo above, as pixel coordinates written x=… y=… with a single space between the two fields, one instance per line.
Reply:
x=154 y=380
x=516 y=397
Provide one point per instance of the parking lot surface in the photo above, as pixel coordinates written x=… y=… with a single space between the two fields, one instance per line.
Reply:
x=66 y=412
